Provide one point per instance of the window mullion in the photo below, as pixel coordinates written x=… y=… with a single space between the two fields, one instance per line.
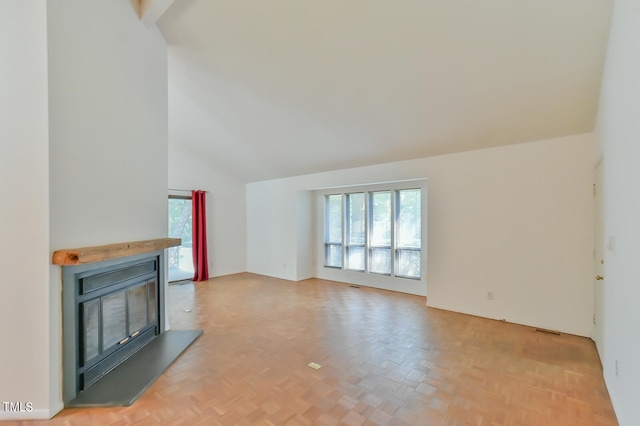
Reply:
x=345 y=224
x=369 y=226
x=366 y=230
x=394 y=209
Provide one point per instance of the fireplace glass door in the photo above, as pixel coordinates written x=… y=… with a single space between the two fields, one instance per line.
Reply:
x=118 y=315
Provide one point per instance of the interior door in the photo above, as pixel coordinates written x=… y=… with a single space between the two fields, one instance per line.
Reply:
x=598 y=259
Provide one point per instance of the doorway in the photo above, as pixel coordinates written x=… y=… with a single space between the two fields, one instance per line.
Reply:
x=180 y=258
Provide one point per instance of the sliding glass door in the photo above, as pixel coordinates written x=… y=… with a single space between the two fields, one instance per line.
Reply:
x=180 y=258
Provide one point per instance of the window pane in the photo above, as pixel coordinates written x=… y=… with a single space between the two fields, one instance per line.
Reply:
x=408 y=221
x=355 y=218
x=409 y=263
x=137 y=301
x=381 y=219
x=179 y=258
x=114 y=319
x=380 y=261
x=355 y=258
x=333 y=255
x=334 y=219
x=90 y=317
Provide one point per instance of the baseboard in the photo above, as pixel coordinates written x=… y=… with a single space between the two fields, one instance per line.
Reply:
x=59 y=406
x=26 y=415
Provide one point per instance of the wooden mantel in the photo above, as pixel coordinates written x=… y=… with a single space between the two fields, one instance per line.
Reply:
x=77 y=256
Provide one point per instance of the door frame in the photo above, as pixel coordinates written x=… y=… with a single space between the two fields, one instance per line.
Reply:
x=598 y=260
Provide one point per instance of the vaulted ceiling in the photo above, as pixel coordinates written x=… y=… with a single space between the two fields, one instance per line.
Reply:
x=267 y=89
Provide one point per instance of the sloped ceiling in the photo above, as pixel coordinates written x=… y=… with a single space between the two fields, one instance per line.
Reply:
x=272 y=88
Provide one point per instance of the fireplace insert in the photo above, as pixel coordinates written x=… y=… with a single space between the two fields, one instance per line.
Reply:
x=110 y=311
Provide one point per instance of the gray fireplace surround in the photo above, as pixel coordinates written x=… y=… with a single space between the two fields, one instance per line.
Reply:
x=114 y=339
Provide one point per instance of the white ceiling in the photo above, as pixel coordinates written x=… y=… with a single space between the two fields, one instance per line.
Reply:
x=267 y=89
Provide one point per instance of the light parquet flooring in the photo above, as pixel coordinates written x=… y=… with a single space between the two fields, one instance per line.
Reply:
x=386 y=360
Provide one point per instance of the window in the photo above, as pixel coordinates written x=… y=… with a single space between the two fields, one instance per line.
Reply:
x=355 y=232
x=409 y=233
x=333 y=233
x=378 y=232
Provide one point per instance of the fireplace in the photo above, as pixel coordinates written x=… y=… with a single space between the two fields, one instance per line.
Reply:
x=111 y=309
x=117 y=314
x=113 y=321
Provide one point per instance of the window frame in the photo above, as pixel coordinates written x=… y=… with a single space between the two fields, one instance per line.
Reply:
x=175 y=251
x=395 y=250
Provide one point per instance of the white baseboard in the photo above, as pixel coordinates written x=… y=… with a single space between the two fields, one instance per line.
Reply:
x=31 y=415
x=22 y=415
x=57 y=407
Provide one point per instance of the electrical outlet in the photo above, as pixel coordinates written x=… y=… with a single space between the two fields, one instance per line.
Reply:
x=617 y=370
x=489 y=295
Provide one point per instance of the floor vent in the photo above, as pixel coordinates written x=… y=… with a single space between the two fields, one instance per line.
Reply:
x=354 y=286
x=544 y=330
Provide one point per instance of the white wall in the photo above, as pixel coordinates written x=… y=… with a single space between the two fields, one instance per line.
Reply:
x=188 y=169
x=108 y=131
x=226 y=223
x=305 y=227
x=515 y=220
x=619 y=139
x=24 y=215
x=108 y=99
x=272 y=240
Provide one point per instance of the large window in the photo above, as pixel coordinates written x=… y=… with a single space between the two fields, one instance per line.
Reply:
x=378 y=232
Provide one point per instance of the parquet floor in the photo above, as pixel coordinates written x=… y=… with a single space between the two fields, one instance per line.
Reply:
x=386 y=360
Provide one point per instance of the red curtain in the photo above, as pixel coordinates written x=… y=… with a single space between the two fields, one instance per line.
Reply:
x=199 y=229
